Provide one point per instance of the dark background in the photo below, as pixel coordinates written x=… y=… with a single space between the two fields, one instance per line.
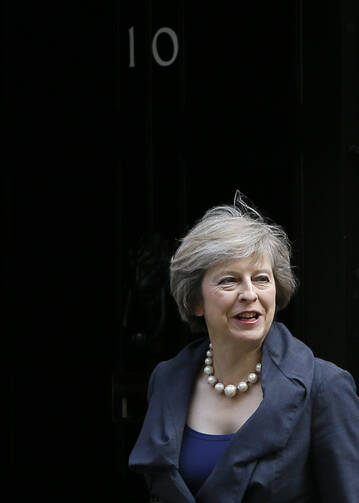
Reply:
x=110 y=164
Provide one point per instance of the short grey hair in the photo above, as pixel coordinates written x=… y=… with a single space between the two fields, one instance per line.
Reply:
x=228 y=233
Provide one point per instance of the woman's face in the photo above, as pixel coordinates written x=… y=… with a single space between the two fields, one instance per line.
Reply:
x=238 y=299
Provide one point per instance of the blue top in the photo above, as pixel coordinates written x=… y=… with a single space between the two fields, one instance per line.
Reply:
x=199 y=455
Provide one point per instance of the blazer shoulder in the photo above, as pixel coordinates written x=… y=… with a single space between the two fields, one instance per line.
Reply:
x=166 y=368
x=329 y=376
x=185 y=355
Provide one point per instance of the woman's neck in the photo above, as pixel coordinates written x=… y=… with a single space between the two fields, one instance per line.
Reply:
x=232 y=363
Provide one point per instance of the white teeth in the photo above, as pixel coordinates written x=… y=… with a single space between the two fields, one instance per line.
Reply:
x=247 y=316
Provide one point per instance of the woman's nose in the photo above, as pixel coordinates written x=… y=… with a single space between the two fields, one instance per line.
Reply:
x=247 y=292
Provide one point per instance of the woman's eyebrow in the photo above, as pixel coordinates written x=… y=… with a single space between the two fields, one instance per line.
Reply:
x=238 y=273
x=227 y=272
x=265 y=270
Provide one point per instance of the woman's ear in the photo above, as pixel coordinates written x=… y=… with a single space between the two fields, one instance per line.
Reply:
x=199 y=309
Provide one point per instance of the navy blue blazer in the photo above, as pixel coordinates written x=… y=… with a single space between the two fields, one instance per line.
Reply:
x=300 y=446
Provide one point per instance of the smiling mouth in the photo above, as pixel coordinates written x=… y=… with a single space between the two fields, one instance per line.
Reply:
x=248 y=316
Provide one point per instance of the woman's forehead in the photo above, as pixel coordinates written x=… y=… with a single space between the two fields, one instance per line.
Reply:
x=253 y=262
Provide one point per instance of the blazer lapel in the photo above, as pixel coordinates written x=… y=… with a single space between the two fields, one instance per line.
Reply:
x=158 y=446
x=178 y=396
x=180 y=391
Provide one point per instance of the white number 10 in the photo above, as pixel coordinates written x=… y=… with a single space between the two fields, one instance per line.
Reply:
x=165 y=30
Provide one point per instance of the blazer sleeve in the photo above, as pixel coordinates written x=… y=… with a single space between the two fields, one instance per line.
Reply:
x=150 y=390
x=151 y=381
x=335 y=436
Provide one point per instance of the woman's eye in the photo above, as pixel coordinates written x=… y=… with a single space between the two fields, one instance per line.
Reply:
x=262 y=278
x=226 y=281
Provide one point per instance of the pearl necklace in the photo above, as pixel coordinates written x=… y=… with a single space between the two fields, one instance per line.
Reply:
x=230 y=390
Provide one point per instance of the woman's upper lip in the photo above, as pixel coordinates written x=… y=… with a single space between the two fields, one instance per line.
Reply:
x=247 y=311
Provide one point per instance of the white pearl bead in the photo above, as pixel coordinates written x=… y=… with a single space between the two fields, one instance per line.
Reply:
x=258 y=368
x=219 y=387
x=208 y=361
x=242 y=386
x=230 y=390
x=209 y=353
x=212 y=380
x=208 y=370
x=252 y=377
x=210 y=345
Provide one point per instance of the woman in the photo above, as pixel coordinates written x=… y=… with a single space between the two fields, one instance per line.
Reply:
x=246 y=413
